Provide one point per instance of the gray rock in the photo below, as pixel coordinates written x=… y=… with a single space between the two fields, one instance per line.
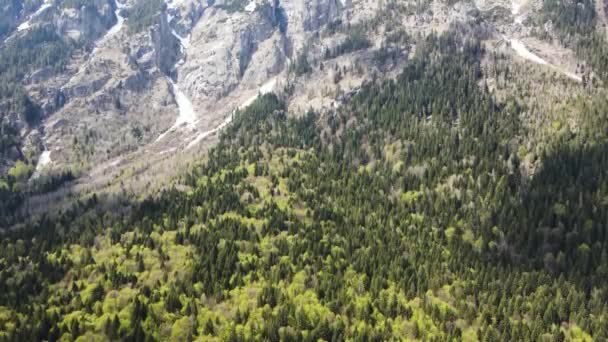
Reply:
x=85 y=89
x=137 y=82
x=40 y=75
x=166 y=45
x=87 y=23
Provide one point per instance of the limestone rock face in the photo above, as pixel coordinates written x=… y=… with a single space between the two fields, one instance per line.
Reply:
x=184 y=14
x=87 y=23
x=165 y=45
x=310 y=15
x=213 y=54
x=242 y=49
x=141 y=97
x=123 y=91
x=221 y=54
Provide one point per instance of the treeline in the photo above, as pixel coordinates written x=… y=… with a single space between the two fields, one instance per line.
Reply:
x=11 y=11
x=355 y=40
x=143 y=14
x=39 y=47
x=575 y=23
x=76 y=3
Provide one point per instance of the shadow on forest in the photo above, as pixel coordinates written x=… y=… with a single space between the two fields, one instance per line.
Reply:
x=69 y=222
x=565 y=210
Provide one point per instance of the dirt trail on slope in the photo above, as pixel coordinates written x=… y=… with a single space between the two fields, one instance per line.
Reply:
x=521 y=48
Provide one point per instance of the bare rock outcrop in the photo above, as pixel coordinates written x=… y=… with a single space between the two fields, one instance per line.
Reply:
x=223 y=46
x=87 y=23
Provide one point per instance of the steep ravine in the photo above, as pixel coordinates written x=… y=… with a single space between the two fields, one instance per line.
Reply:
x=186 y=113
x=120 y=20
x=192 y=124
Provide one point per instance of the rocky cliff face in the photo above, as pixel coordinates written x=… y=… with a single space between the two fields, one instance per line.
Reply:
x=136 y=98
x=238 y=51
x=87 y=23
x=126 y=90
x=165 y=44
x=222 y=49
x=310 y=15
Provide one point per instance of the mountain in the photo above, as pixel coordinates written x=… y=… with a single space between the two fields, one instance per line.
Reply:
x=303 y=170
x=132 y=88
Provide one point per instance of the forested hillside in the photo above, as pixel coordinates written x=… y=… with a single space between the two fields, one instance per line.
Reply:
x=575 y=23
x=40 y=48
x=403 y=214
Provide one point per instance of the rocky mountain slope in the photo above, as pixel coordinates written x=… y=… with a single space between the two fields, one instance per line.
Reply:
x=145 y=86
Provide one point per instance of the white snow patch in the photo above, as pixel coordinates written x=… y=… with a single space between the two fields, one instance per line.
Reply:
x=172 y=4
x=515 y=7
x=26 y=25
x=251 y=6
x=186 y=115
x=184 y=42
x=515 y=10
x=115 y=163
x=43 y=161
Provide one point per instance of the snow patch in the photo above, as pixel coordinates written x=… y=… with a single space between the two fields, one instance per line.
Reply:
x=43 y=161
x=115 y=163
x=186 y=110
x=184 y=41
x=186 y=113
x=515 y=7
x=515 y=10
x=26 y=25
x=251 y=6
